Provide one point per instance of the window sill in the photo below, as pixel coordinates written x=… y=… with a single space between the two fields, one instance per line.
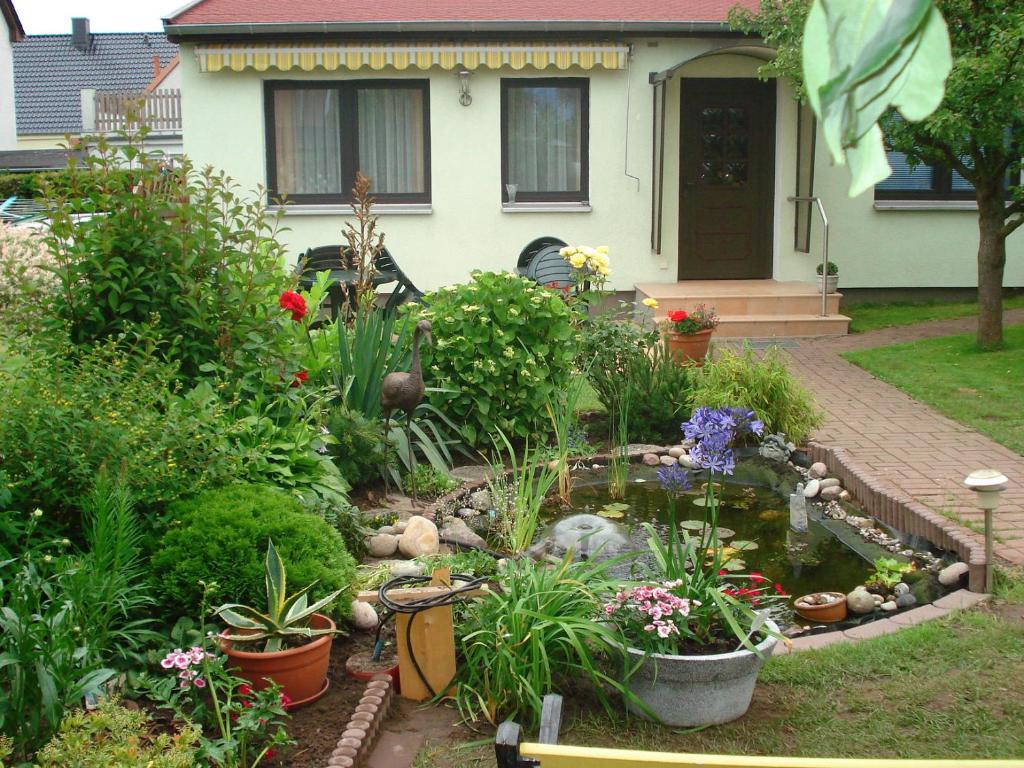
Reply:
x=382 y=209
x=546 y=208
x=926 y=205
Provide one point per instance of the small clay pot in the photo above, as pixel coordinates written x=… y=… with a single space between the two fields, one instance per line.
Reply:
x=823 y=614
x=689 y=348
x=361 y=666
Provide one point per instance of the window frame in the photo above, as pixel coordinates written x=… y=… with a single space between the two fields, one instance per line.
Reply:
x=348 y=123
x=583 y=85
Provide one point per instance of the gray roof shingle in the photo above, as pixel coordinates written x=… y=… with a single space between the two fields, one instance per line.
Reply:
x=49 y=73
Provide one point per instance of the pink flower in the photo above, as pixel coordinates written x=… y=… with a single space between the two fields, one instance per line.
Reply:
x=167 y=661
x=184 y=684
x=182 y=661
x=199 y=682
x=197 y=654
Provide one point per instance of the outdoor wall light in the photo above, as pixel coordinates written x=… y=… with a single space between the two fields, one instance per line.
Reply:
x=465 y=97
x=987 y=484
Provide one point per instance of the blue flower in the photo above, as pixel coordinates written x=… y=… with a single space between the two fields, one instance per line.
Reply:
x=674 y=479
x=714 y=430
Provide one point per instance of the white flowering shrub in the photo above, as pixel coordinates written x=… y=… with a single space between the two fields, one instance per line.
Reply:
x=26 y=280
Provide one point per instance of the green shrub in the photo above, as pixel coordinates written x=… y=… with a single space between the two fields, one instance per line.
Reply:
x=36 y=185
x=66 y=417
x=765 y=384
x=503 y=346
x=358 y=447
x=115 y=737
x=348 y=521
x=627 y=363
x=429 y=482
x=221 y=536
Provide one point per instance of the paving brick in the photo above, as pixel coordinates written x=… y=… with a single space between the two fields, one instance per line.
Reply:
x=872 y=629
x=810 y=642
x=961 y=599
x=916 y=616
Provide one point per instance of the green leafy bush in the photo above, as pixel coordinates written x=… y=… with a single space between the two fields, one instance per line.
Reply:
x=765 y=385
x=35 y=185
x=502 y=346
x=628 y=363
x=429 y=482
x=358 y=447
x=221 y=536
x=69 y=415
x=115 y=737
x=347 y=520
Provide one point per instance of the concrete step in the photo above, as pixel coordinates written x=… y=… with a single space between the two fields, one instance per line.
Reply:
x=742 y=304
x=779 y=326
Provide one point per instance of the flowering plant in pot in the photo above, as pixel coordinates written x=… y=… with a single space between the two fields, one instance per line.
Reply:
x=296 y=639
x=689 y=333
x=698 y=630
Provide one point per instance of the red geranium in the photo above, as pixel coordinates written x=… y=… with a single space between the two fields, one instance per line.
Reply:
x=299 y=379
x=678 y=315
x=294 y=303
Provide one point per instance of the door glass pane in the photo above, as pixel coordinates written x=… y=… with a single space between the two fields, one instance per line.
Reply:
x=307 y=141
x=544 y=128
x=724 y=146
x=391 y=151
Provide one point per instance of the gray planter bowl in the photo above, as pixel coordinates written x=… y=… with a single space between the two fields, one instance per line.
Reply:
x=687 y=691
x=832 y=284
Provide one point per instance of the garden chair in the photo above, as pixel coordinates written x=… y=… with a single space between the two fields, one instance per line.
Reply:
x=550 y=269
x=547 y=753
x=339 y=261
x=15 y=210
x=533 y=248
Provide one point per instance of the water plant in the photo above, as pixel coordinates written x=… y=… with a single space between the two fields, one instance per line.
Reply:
x=518 y=492
x=618 y=462
x=562 y=412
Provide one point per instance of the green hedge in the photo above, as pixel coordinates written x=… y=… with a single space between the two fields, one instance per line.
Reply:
x=31 y=185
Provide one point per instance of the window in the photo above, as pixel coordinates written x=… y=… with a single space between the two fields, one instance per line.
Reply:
x=320 y=134
x=545 y=127
x=921 y=182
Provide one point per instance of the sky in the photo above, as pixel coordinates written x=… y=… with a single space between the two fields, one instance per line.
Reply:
x=41 y=17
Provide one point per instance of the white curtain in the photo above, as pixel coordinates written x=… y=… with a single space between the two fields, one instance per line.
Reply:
x=391 y=151
x=544 y=138
x=307 y=142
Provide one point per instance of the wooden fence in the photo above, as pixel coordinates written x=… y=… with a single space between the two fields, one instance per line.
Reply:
x=159 y=111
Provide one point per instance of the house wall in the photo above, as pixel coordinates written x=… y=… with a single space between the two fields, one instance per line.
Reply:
x=467 y=228
x=41 y=141
x=8 y=131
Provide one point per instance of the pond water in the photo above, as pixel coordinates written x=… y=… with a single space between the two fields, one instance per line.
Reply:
x=755 y=506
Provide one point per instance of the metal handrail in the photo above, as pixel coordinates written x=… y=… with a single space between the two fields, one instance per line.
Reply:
x=824 y=254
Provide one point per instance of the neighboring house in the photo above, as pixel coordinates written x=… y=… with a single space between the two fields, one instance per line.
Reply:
x=10 y=33
x=484 y=125
x=81 y=84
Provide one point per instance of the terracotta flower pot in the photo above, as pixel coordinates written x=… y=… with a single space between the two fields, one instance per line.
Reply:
x=689 y=347
x=825 y=614
x=301 y=672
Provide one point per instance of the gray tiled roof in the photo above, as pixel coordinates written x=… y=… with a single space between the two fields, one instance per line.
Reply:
x=49 y=73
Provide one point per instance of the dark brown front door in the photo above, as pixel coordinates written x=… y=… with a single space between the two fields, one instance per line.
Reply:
x=727 y=178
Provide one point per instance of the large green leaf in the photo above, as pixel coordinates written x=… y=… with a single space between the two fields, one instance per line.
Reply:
x=276 y=581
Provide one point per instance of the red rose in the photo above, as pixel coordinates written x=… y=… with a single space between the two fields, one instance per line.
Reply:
x=299 y=379
x=244 y=690
x=678 y=315
x=294 y=303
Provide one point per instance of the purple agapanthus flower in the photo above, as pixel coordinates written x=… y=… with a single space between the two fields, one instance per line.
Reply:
x=674 y=480
x=713 y=431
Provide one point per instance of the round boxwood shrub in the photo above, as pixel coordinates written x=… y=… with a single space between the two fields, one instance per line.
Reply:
x=503 y=346
x=221 y=536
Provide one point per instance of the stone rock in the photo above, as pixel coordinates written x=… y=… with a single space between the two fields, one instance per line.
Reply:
x=363 y=616
x=405 y=568
x=844 y=495
x=818 y=469
x=668 y=461
x=467 y=512
x=400 y=526
x=860 y=601
x=456 y=530
x=587 y=534
x=685 y=461
x=906 y=601
x=420 y=538
x=889 y=606
x=676 y=451
x=901 y=589
x=950 y=575
x=812 y=488
x=382 y=544
x=481 y=500
x=878 y=599
x=651 y=459
x=388 y=529
x=830 y=482
x=830 y=493
x=776 y=448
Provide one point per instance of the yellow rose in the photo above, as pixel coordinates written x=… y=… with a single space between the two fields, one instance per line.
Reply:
x=604 y=271
x=566 y=252
x=652 y=303
x=577 y=260
x=602 y=249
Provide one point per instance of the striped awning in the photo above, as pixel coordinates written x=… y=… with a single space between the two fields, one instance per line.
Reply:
x=399 y=56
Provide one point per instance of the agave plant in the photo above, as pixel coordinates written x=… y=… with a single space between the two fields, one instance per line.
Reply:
x=286 y=618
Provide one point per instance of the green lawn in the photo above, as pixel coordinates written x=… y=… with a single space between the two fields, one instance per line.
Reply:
x=872 y=317
x=950 y=688
x=981 y=389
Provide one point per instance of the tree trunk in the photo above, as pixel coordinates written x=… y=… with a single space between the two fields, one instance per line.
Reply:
x=991 y=261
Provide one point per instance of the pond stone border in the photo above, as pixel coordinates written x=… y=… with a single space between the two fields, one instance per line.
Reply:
x=905 y=514
x=358 y=738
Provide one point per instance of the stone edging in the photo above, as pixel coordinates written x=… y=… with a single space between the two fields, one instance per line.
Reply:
x=357 y=739
x=902 y=512
x=954 y=601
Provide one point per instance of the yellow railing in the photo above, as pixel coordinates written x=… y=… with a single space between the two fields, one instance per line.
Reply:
x=560 y=756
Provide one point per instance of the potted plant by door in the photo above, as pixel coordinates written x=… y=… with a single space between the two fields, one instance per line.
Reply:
x=699 y=629
x=290 y=644
x=689 y=333
x=831 y=280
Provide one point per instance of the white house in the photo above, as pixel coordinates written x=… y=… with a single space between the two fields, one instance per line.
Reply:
x=10 y=33
x=484 y=125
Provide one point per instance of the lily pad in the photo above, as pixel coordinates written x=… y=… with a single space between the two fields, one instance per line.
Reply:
x=692 y=525
x=734 y=565
x=613 y=511
x=744 y=546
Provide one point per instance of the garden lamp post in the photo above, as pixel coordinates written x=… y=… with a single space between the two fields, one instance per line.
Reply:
x=987 y=485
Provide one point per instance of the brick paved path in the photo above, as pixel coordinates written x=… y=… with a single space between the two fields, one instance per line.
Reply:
x=913 y=448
